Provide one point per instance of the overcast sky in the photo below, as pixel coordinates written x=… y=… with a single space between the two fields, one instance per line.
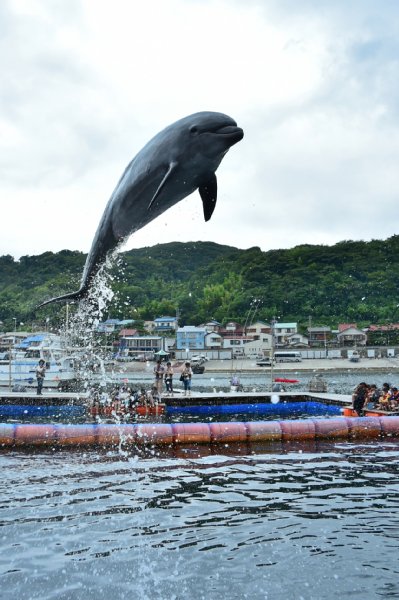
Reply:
x=313 y=83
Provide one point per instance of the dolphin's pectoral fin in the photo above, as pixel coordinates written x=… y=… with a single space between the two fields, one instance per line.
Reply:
x=170 y=170
x=209 y=192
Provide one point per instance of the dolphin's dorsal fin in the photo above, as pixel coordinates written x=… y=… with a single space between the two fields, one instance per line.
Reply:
x=209 y=192
x=170 y=170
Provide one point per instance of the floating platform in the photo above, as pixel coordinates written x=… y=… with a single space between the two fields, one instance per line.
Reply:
x=176 y=434
x=215 y=398
x=54 y=405
x=67 y=406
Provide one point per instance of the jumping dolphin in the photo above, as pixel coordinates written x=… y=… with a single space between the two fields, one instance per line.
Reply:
x=174 y=163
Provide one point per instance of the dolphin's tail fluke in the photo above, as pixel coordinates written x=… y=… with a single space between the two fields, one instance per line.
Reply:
x=71 y=297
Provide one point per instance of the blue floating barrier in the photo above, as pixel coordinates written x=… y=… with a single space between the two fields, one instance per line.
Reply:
x=28 y=411
x=281 y=409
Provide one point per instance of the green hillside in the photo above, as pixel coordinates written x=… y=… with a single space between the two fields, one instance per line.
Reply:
x=350 y=281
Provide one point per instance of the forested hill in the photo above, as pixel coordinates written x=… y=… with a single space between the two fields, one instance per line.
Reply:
x=347 y=282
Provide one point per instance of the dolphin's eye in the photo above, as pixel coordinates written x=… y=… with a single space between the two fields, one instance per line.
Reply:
x=194 y=129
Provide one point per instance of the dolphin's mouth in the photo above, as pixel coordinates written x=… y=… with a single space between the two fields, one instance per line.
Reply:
x=231 y=131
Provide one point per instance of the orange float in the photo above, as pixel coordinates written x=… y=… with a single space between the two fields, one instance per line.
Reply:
x=179 y=434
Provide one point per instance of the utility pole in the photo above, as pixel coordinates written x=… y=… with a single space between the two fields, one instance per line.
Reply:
x=272 y=323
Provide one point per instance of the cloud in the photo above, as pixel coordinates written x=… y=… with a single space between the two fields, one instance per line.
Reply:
x=313 y=84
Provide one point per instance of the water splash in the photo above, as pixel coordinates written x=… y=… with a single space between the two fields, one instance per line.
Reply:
x=82 y=334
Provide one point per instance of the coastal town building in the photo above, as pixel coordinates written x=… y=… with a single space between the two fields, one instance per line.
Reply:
x=282 y=331
x=140 y=345
x=235 y=344
x=213 y=341
x=255 y=330
x=259 y=347
x=319 y=336
x=164 y=324
x=351 y=335
x=212 y=326
x=190 y=337
x=297 y=340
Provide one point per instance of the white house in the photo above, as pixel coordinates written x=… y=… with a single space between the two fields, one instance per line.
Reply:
x=213 y=340
x=235 y=344
x=351 y=336
x=282 y=331
x=255 y=330
x=297 y=339
x=260 y=346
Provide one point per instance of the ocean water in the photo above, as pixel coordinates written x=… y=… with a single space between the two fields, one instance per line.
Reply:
x=340 y=382
x=292 y=521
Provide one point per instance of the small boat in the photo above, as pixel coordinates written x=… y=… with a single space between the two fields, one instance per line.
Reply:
x=18 y=366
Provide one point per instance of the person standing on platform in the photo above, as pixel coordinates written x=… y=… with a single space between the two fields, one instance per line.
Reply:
x=159 y=372
x=169 y=378
x=40 y=375
x=359 y=398
x=186 y=378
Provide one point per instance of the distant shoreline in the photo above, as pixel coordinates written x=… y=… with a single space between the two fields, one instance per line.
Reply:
x=382 y=365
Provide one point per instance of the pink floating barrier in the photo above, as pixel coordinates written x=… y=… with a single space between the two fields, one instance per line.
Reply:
x=179 y=434
x=364 y=427
x=191 y=433
x=389 y=426
x=156 y=433
x=297 y=430
x=264 y=431
x=222 y=433
x=328 y=429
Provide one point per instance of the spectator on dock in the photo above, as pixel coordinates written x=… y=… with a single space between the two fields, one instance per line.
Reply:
x=373 y=395
x=394 y=400
x=185 y=377
x=169 y=378
x=385 y=397
x=159 y=370
x=40 y=375
x=359 y=398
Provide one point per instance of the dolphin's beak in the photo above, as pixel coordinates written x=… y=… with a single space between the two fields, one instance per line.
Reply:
x=234 y=133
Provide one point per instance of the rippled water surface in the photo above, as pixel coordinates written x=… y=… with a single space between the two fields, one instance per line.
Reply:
x=291 y=522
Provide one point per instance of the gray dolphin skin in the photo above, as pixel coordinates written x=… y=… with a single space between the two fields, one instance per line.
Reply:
x=173 y=164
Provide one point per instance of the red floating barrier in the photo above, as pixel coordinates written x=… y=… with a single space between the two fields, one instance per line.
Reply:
x=35 y=435
x=181 y=434
x=157 y=433
x=297 y=430
x=228 y=432
x=364 y=427
x=7 y=433
x=389 y=426
x=74 y=435
x=285 y=380
x=186 y=433
x=112 y=435
x=331 y=428
x=264 y=431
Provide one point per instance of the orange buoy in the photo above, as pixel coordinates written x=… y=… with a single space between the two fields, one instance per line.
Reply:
x=179 y=434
